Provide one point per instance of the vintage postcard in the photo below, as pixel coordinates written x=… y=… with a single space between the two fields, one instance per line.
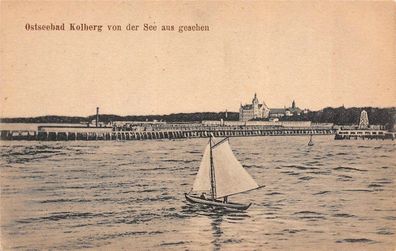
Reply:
x=197 y=125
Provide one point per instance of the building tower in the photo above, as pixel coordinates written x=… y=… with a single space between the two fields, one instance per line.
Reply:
x=255 y=101
x=364 y=122
x=293 y=104
x=255 y=104
x=254 y=110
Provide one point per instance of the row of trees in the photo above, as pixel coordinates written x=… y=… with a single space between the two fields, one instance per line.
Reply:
x=174 y=117
x=45 y=119
x=347 y=116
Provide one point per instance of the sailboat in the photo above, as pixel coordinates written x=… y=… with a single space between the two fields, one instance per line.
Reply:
x=310 y=143
x=220 y=175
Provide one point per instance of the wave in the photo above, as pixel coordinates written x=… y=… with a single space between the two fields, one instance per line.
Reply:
x=323 y=172
x=293 y=231
x=274 y=193
x=343 y=215
x=365 y=147
x=322 y=192
x=174 y=243
x=308 y=212
x=374 y=185
x=348 y=169
x=345 y=177
x=384 y=181
x=65 y=200
x=306 y=178
x=290 y=173
x=385 y=231
x=179 y=160
x=357 y=190
x=59 y=216
x=356 y=240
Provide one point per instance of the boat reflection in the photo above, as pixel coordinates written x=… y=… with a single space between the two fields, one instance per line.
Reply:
x=217 y=220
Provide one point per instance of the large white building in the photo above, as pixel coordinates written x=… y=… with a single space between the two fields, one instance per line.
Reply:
x=254 y=110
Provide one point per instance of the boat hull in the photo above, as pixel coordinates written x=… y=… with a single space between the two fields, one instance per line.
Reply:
x=216 y=203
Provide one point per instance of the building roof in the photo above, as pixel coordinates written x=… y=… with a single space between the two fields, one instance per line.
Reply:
x=293 y=110
x=250 y=106
x=247 y=107
x=277 y=110
x=283 y=110
x=254 y=101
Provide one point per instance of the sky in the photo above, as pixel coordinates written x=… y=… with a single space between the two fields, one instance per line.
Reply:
x=319 y=54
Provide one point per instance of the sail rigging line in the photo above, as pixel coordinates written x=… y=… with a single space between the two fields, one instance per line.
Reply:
x=240 y=192
x=212 y=172
x=220 y=142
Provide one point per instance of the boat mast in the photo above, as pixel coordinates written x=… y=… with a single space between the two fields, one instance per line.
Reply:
x=212 y=172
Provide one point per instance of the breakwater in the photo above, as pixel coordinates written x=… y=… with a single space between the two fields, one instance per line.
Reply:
x=109 y=133
x=369 y=134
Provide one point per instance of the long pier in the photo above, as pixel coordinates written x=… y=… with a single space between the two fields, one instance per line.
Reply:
x=108 y=133
x=369 y=134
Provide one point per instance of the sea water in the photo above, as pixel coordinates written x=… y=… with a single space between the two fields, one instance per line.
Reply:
x=129 y=195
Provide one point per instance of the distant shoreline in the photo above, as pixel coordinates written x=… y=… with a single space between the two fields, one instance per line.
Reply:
x=339 y=116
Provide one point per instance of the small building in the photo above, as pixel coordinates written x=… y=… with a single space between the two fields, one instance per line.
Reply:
x=278 y=112
x=364 y=121
x=290 y=111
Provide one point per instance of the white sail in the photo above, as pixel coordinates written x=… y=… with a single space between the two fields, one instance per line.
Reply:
x=230 y=176
x=202 y=181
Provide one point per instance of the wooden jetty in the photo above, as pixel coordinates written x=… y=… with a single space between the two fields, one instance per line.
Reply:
x=370 y=134
x=58 y=133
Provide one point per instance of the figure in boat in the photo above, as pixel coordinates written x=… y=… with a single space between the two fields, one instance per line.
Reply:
x=310 y=143
x=220 y=175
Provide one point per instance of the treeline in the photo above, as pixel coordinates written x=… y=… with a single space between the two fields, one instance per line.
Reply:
x=106 y=118
x=174 y=117
x=347 y=116
x=45 y=119
x=339 y=116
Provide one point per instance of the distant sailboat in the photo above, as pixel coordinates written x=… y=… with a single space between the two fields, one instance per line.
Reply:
x=219 y=176
x=310 y=143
